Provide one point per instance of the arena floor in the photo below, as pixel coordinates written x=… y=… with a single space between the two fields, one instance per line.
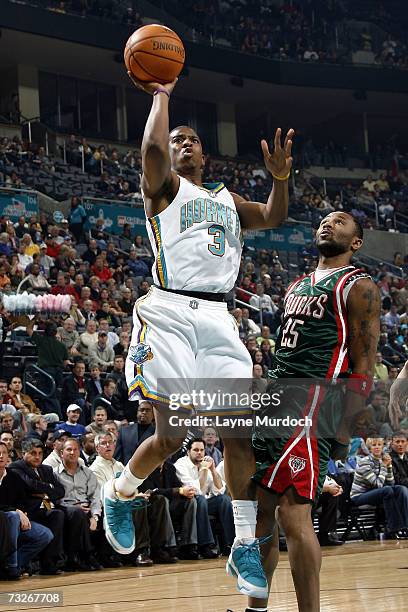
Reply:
x=370 y=576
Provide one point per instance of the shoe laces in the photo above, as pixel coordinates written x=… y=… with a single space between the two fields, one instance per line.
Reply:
x=123 y=513
x=252 y=556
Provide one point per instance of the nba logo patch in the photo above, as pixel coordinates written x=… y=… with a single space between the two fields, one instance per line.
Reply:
x=296 y=464
x=193 y=304
x=140 y=353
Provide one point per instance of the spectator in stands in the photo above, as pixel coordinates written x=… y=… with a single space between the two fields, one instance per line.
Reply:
x=380 y=369
x=100 y=416
x=112 y=428
x=126 y=303
x=105 y=399
x=88 y=452
x=113 y=338
x=131 y=436
x=199 y=471
x=58 y=438
x=45 y=261
x=88 y=339
x=92 y=252
x=52 y=354
x=77 y=218
x=374 y=484
x=69 y=336
x=24 y=259
x=74 y=385
x=21 y=227
x=94 y=385
x=248 y=286
x=135 y=265
x=259 y=383
x=245 y=325
x=392 y=317
x=88 y=310
x=43 y=489
x=28 y=538
x=122 y=347
x=210 y=438
x=7 y=421
x=101 y=269
x=399 y=456
x=82 y=508
x=21 y=401
x=328 y=502
x=6 y=437
x=62 y=287
x=36 y=279
x=71 y=424
x=118 y=371
x=38 y=427
x=101 y=353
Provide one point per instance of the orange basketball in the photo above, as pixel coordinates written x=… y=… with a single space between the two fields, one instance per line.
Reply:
x=154 y=53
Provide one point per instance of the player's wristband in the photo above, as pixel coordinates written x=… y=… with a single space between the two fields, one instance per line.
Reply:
x=161 y=90
x=361 y=384
x=281 y=178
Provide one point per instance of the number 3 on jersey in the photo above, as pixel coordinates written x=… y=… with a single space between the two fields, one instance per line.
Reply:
x=290 y=336
x=218 y=246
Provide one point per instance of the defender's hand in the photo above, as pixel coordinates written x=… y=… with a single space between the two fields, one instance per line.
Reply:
x=150 y=88
x=279 y=162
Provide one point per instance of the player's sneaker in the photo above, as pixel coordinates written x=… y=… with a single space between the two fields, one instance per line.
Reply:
x=245 y=564
x=118 y=520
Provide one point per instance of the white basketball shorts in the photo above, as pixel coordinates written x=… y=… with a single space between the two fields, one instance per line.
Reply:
x=178 y=340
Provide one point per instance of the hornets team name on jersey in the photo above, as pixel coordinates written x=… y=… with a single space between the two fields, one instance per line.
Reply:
x=202 y=209
x=313 y=337
x=197 y=240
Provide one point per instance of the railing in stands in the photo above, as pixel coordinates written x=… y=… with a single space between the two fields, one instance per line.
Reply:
x=29 y=380
x=247 y=304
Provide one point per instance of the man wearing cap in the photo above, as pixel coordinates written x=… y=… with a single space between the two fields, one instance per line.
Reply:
x=101 y=353
x=71 y=424
x=45 y=260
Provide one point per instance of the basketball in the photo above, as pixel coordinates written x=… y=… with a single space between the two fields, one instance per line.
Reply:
x=154 y=53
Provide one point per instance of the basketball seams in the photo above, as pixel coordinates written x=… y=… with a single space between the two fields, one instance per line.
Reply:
x=165 y=57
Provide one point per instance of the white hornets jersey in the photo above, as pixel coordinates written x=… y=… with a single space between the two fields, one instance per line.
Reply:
x=196 y=240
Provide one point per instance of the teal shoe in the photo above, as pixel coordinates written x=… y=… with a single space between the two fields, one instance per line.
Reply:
x=245 y=564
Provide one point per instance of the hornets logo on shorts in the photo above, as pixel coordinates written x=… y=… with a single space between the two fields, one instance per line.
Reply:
x=140 y=353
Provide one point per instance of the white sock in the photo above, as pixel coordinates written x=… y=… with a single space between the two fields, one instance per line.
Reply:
x=127 y=484
x=244 y=518
x=256 y=610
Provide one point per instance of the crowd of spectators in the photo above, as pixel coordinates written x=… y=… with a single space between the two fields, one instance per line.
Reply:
x=313 y=31
x=116 y=176
x=56 y=452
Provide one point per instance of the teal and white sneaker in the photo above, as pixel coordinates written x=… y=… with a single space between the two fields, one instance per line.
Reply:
x=118 y=519
x=245 y=564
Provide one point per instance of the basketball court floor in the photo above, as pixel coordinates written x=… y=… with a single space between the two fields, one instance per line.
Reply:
x=365 y=576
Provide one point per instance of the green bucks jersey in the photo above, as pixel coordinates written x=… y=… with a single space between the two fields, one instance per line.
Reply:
x=313 y=337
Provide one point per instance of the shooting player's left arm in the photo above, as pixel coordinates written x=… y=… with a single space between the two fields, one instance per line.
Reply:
x=363 y=309
x=254 y=215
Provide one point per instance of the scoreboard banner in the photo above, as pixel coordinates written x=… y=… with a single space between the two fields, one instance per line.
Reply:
x=288 y=237
x=115 y=214
x=15 y=203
